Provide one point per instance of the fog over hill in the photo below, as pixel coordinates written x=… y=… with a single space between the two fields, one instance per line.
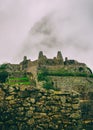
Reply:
x=28 y=26
x=53 y=33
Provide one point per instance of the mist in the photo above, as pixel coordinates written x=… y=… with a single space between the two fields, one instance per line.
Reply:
x=29 y=26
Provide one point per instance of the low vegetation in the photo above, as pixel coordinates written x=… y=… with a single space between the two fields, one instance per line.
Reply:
x=43 y=73
x=21 y=80
x=3 y=76
x=3 y=66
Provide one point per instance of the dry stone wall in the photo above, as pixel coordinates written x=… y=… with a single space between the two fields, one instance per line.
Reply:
x=27 y=108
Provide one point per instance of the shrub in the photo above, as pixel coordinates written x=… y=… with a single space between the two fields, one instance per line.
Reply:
x=3 y=76
x=91 y=75
x=3 y=66
x=42 y=73
x=48 y=85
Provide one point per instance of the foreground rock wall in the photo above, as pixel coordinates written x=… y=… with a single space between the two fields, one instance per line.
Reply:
x=26 y=108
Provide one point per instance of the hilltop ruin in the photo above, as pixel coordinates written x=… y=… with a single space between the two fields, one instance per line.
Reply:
x=57 y=90
x=43 y=61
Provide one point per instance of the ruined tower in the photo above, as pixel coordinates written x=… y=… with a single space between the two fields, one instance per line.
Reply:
x=60 y=58
x=41 y=59
x=24 y=63
x=40 y=55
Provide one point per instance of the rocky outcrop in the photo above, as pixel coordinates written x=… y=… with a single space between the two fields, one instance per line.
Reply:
x=27 y=108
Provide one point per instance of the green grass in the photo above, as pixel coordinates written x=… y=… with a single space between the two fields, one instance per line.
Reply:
x=61 y=72
x=16 y=80
x=70 y=74
x=20 y=83
x=19 y=79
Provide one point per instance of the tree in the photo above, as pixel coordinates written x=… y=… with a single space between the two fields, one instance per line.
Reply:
x=3 y=76
x=3 y=66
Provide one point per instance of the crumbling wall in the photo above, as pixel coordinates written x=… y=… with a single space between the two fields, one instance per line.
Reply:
x=27 y=108
x=43 y=60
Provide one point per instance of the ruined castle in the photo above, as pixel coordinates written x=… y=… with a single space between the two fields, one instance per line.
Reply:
x=56 y=62
x=66 y=105
x=43 y=60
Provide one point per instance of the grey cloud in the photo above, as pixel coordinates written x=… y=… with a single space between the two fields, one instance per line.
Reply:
x=66 y=30
x=28 y=26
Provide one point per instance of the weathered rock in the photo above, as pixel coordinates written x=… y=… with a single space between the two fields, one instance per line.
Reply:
x=38 y=109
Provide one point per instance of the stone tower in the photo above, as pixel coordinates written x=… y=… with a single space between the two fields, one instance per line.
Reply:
x=40 y=55
x=24 y=63
x=41 y=59
x=60 y=58
x=25 y=58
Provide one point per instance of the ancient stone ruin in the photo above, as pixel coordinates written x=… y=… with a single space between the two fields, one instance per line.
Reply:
x=50 y=94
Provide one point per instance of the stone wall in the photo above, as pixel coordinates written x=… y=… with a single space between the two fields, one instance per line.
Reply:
x=44 y=61
x=79 y=84
x=27 y=108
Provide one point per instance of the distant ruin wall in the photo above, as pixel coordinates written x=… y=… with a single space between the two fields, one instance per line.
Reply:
x=43 y=60
x=37 y=109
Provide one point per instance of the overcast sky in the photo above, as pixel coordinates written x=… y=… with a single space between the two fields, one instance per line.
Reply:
x=28 y=26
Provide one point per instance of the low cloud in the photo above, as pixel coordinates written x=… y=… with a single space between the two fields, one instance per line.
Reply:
x=48 y=25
